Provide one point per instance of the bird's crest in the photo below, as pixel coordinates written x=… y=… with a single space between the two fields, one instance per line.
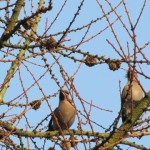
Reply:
x=63 y=94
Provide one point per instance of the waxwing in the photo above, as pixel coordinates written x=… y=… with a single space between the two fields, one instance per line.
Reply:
x=64 y=115
x=131 y=94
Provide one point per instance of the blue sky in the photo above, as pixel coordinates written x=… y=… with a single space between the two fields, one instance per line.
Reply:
x=97 y=84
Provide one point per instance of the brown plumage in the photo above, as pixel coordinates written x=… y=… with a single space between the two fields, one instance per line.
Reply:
x=64 y=115
x=131 y=95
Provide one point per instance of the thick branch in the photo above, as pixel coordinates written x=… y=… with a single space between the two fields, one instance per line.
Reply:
x=49 y=135
x=14 y=64
x=121 y=133
x=21 y=132
x=6 y=35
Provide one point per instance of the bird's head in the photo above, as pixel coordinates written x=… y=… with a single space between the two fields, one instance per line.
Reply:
x=131 y=74
x=63 y=95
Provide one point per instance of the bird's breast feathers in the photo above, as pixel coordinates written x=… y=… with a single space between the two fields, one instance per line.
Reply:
x=133 y=92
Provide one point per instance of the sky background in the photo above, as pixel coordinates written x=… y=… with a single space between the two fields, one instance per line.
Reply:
x=97 y=84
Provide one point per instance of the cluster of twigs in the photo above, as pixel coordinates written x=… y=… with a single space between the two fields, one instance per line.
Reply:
x=22 y=47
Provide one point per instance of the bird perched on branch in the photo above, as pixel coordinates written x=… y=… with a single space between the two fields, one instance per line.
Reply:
x=64 y=115
x=131 y=95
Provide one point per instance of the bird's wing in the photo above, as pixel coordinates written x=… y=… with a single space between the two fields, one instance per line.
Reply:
x=50 y=125
x=123 y=96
